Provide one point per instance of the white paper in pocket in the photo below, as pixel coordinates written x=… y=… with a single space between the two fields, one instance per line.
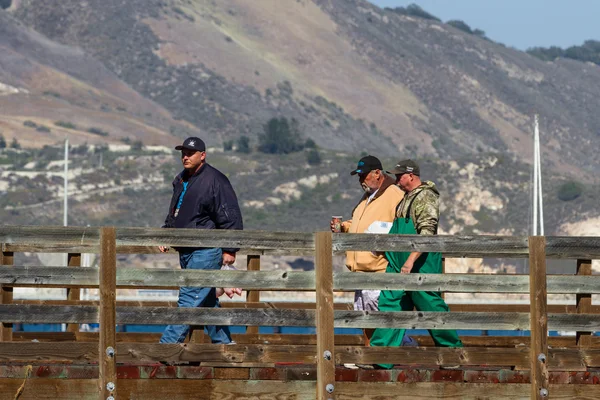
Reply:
x=379 y=227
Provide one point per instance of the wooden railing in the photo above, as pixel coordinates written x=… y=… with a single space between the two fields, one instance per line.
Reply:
x=326 y=350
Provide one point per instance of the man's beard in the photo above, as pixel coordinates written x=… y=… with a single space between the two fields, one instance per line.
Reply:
x=366 y=188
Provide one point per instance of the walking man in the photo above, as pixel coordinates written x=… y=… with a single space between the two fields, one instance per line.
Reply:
x=202 y=198
x=418 y=213
x=377 y=205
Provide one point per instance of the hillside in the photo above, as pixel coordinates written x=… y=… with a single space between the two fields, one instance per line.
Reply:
x=43 y=83
x=357 y=79
x=353 y=75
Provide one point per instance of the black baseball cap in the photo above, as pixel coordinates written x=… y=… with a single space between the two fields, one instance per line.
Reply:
x=406 y=167
x=192 y=143
x=367 y=164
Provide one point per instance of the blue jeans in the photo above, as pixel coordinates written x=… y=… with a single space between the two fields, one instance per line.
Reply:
x=205 y=259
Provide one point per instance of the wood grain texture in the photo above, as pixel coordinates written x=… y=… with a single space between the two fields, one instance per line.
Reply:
x=294 y=317
x=324 y=316
x=107 y=313
x=253 y=296
x=539 y=316
x=584 y=301
x=185 y=389
x=6 y=295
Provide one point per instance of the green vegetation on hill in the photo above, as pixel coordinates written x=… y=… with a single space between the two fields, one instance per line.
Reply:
x=589 y=51
x=414 y=10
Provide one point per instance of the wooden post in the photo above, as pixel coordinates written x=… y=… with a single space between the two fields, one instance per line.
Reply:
x=584 y=303
x=539 y=317
x=73 y=260
x=108 y=310
x=325 y=335
x=6 y=296
x=252 y=296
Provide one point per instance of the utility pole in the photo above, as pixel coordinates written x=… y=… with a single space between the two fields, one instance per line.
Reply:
x=66 y=203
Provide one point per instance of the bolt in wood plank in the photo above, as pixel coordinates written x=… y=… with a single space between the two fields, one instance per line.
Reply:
x=539 y=317
x=6 y=297
x=108 y=312
x=252 y=296
x=584 y=303
x=324 y=316
x=73 y=294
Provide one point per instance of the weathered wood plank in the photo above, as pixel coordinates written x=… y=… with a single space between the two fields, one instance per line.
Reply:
x=289 y=280
x=324 y=317
x=539 y=317
x=6 y=295
x=185 y=389
x=136 y=353
x=508 y=308
x=252 y=264
x=139 y=337
x=294 y=317
x=584 y=301
x=214 y=238
x=73 y=294
x=40 y=235
x=450 y=246
x=107 y=379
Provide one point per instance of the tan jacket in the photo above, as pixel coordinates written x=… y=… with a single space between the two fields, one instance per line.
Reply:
x=381 y=208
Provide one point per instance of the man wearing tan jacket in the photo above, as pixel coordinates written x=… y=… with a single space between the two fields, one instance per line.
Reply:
x=377 y=205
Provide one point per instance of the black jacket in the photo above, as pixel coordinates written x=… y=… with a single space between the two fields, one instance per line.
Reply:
x=209 y=202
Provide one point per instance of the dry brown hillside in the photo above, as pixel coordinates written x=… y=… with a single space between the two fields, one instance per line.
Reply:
x=356 y=77
x=43 y=82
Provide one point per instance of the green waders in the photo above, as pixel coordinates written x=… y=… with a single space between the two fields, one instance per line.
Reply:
x=401 y=300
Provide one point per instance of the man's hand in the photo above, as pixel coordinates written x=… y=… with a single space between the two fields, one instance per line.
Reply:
x=163 y=249
x=228 y=258
x=231 y=291
x=406 y=268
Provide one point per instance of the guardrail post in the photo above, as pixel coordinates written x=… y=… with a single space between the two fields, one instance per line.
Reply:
x=252 y=296
x=584 y=303
x=74 y=294
x=108 y=310
x=6 y=296
x=325 y=316
x=538 y=317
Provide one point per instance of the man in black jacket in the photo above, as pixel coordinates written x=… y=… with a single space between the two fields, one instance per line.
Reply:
x=202 y=199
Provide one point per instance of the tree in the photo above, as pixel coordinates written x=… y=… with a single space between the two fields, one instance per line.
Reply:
x=228 y=145
x=460 y=25
x=570 y=191
x=15 y=144
x=2 y=141
x=310 y=144
x=313 y=157
x=243 y=145
x=280 y=137
x=414 y=11
x=137 y=145
x=4 y=4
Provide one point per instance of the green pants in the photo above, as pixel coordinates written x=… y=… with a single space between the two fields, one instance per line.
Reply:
x=401 y=300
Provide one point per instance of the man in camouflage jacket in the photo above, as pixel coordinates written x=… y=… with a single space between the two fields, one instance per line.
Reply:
x=417 y=213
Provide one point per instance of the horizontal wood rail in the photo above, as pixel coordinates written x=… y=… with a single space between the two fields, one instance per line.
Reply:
x=297 y=281
x=294 y=317
x=82 y=240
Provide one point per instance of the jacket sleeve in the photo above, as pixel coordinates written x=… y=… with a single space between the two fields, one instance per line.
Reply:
x=426 y=213
x=226 y=208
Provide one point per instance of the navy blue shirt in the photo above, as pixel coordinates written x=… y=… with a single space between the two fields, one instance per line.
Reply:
x=209 y=202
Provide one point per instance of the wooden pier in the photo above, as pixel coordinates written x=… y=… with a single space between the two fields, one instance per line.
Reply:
x=114 y=365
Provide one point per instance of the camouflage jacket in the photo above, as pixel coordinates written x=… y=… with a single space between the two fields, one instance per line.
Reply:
x=425 y=211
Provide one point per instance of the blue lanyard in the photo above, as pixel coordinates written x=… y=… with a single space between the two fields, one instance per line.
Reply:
x=185 y=185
